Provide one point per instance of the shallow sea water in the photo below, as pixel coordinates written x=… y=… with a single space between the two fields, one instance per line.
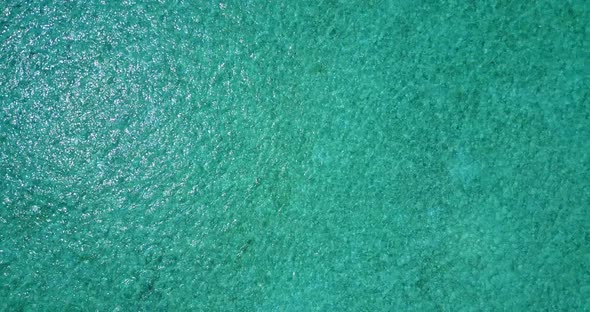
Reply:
x=294 y=156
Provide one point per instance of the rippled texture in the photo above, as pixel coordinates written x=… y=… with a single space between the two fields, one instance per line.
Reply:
x=294 y=156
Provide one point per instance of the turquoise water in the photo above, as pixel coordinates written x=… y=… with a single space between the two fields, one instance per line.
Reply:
x=294 y=156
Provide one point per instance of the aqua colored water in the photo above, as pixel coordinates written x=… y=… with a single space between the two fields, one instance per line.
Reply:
x=294 y=156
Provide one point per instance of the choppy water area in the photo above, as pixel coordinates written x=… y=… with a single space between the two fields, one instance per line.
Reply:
x=293 y=156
